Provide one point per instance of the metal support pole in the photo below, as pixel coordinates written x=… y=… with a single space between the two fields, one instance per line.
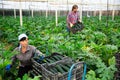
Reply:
x=32 y=12
x=100 y=12
x=81 y=11
x=20 y=9
x=15 y=13
x=56 y=17
x=107 y=14
x=47 y=9
x=3 y=9
x=113 y=14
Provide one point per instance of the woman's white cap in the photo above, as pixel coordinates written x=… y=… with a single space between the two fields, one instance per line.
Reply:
x=21 y=36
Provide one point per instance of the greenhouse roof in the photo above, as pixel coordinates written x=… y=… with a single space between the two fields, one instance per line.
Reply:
x=60 y=4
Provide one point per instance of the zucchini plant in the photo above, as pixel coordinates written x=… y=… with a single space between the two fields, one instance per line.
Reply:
x=96 y=39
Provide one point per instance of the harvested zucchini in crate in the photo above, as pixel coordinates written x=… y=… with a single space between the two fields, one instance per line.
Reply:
x=49 y=60
x=59 y=69
x=53 y=59
x=56 y=58
x=65 y=68
x=60 y=57
x=53 y=70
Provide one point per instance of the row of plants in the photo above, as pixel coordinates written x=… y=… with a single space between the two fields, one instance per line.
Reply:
x=96 y=44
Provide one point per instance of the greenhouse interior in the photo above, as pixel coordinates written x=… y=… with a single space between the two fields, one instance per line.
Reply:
x=59 y=39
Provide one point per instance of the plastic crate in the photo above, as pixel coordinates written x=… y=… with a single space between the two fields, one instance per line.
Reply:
x=117 y=61
x=47 y=74
x=117 y=75
x=37 y=69
x=118 y=64
x=37 y=66
x=34 y=73
x=51 y=57
x=77 y=27
x=37 y=63
x=117 y=56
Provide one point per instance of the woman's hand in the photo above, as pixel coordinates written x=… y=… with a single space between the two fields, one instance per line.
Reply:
x=71 y=25
x=79 y=20
x=8 y=67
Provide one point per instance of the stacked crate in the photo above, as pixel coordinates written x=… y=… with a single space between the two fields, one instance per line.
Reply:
x=117 y=73
x=56 y=67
